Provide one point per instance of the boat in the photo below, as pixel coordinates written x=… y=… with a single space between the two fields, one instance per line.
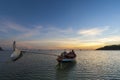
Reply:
x=67 y=57
x=16 y=52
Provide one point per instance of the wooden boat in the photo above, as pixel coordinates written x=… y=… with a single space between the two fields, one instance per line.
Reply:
x=67 y=57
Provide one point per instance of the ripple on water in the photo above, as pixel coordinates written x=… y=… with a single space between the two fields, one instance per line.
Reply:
x=89 y=65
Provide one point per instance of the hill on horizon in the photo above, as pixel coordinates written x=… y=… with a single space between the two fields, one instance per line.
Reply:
x=110 y=47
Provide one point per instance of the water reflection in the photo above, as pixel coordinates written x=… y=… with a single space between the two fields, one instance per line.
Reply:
x=65 y=71
x=91 y=65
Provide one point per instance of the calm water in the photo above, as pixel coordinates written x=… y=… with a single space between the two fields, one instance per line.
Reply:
x=89 y=65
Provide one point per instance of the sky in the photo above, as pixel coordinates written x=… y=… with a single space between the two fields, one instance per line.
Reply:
x=59 y=24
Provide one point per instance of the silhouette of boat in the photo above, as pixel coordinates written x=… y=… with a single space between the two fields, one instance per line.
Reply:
x=16 y=53
x=67 y=57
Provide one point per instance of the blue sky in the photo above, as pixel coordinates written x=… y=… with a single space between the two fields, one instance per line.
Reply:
x=56 y=24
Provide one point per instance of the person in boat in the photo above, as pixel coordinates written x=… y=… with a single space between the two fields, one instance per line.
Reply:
x=71 y=54
x=64 y=54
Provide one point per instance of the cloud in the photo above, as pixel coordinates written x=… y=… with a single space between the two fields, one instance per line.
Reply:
x=111 y=39
x=55 y=30
x=40 y=32
x=8 y=25
x=17 y=31
x=93 y=31
x=66 y=43
x=42 y=37
x=30 y=33
x=3 y=30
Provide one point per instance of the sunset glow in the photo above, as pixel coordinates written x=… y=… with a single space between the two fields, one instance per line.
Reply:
x=59 y=24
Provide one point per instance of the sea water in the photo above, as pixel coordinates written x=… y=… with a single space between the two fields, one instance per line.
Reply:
x=89 y=65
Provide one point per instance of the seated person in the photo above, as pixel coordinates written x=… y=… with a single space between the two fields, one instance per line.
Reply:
x=71 y=54
x=64 y=54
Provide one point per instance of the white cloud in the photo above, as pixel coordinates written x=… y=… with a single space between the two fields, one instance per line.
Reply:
x=55 y=30
x=55 y=37
x=92 y=31
x=19 y=32
x=13 y=26
x=45 y=32
x=30 y=33
x=111 y=39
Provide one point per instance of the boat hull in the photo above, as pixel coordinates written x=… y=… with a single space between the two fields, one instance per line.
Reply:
x=66 y=60
x=16 y=55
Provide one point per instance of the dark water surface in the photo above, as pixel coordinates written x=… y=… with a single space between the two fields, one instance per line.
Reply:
x=89 y=65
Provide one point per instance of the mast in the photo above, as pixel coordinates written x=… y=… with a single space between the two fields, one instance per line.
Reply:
x=14 y=45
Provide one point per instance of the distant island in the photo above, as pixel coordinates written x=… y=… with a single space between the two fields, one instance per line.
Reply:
x=1 y=49
x=110 y=47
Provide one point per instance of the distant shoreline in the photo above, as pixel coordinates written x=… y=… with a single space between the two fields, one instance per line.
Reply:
x=109 y=47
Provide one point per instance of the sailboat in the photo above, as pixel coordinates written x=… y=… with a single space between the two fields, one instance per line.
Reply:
x=16 y=52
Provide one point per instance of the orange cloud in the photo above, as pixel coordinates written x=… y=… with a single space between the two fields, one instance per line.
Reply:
x=93 y=31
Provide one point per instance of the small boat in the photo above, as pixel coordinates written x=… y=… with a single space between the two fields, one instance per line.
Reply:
x=16 y=52
x=67 y=57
